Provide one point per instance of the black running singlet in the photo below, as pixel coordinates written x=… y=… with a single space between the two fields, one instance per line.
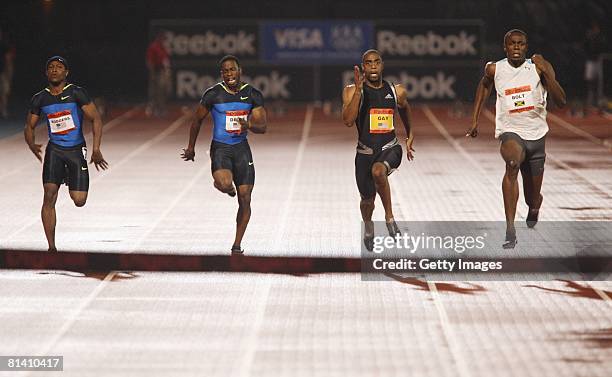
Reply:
x=375 y=118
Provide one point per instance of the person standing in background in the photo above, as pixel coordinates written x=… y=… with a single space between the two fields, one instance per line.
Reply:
x=594 y=46
x=7 y=56
x=158 y=65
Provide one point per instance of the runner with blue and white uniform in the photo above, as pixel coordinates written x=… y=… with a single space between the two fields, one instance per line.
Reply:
x=236 y=109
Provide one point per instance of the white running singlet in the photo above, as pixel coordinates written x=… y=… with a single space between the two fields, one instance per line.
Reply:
x=521 y=100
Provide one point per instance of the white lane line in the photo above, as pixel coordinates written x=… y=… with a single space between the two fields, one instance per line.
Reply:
x=64 y=200
x=601 y=294
x=296 y=171
x=444 y=132
x=12 y=138
x=250 y=344
x=162 y=135
x=602 y=190
x=92 y=296
x=580 y=132
x=453 y=346
x=564 y=166
x=8 y=307
x=107 y=127
x=117 y=121
x=177 y=198
x=74 y=316
x=449 y=335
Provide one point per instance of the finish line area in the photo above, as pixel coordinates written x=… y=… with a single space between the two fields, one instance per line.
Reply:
x=144 y=283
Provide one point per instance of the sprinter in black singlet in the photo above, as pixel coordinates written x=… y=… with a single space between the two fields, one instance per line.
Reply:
x=371 y=104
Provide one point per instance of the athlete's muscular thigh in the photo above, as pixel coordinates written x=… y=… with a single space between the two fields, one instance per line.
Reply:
x=223 y=178
x=513 y=153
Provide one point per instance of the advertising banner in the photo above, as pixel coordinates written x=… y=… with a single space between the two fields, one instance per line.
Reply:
x=275 y=82
x=297 y=83
x=314 y=42
x=312 y=60
x=422 y=83
x=203 y=42
x=439 y=41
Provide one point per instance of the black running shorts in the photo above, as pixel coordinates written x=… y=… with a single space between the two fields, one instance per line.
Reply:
x=535 y=153
x=234 y=157
x=66 y=165
x=391 y=157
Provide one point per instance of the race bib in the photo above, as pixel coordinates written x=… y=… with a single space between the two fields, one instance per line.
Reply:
x=231 y=120
x=519 y=99
x=61 y=122
x=381 y=121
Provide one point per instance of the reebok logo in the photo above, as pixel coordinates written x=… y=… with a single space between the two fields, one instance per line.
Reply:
x=430 y=44
x=211 y=43
x=434 y=86
x=191 y=85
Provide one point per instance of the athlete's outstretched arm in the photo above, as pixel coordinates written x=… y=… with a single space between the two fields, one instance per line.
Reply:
x=482 y=93
x=406 y=114
x=91 y=113
x=28 y=133
x=351 y=97
x=547 y=75
x=257 y=122
x=201 y=112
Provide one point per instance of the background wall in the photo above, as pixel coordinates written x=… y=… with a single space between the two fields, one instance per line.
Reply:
x=105 y=41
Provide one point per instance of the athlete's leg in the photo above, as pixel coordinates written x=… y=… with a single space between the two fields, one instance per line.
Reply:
x=244 y=213
x=379 y=173
x=513 y=154
x=532 y=171
x=531 y=187
x=47 y=213
x=77 y=175
x=366 y=205
x=367 y=191
x=223 y=181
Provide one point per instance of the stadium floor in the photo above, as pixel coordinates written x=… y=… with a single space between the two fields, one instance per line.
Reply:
x=305 y=204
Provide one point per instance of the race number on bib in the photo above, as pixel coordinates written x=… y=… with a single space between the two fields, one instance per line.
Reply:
x=61 y=122
x=381 y=121
x=519 y=99
x=231 y=120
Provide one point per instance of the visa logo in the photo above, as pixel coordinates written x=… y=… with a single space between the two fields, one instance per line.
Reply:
x=299 y=38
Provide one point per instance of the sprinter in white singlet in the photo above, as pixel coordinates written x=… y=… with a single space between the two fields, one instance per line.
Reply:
x=522 y=86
